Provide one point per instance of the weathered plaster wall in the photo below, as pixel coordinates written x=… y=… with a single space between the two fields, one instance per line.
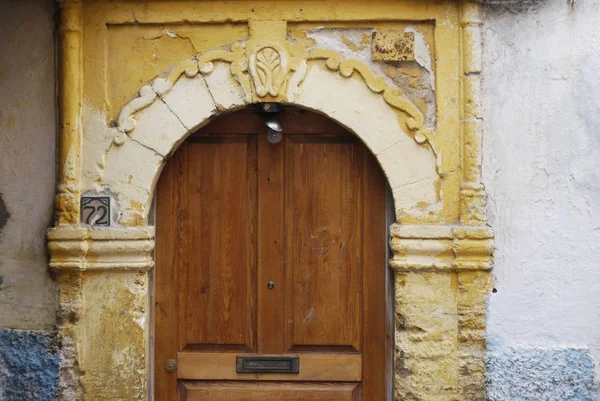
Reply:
x=28 y=300
x=27 y=156
x=541 y=158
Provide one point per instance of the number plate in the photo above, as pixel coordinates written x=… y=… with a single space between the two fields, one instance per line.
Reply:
x=267 y=364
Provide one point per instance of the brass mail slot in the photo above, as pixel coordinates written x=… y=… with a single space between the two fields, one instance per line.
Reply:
x=267 y=364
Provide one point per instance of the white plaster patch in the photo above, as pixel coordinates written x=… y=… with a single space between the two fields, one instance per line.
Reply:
x=96 y=136
x=350 y=102
x=407 y=197
x=401 y=158
x=190 y=101
x=226 y=92
x=131 y=173
x=423 y=54
x=332 y=38
x=158 y=128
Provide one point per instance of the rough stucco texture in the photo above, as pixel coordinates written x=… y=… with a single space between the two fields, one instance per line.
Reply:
x=541 y=158
x=27 y=155
x=533 y=374
x=29 y=366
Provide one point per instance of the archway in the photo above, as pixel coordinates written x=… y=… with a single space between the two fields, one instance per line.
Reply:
x=441 y=258
x=166 y=111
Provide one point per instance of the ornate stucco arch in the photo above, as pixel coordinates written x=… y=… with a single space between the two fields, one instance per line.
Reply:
x=151 y=127
x=441 y=246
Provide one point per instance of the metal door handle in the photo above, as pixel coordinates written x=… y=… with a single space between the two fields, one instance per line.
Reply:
x=171 y=365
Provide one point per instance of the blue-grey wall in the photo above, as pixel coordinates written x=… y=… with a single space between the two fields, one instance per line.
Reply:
x=540 y=374
x=29 y=365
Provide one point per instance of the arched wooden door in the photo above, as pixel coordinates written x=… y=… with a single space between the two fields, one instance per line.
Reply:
x=270 y=279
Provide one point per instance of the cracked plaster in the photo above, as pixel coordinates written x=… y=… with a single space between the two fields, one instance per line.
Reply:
x=416 y=78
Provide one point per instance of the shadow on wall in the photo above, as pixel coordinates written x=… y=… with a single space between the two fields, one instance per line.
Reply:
x=4 y=214
x=29 y=366
x=516 y=6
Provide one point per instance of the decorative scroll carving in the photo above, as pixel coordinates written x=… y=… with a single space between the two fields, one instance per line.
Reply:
x=264 y=71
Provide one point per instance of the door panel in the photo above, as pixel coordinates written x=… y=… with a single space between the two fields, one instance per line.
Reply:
x=324 y=274
x=314 y=367
x=241 y=391
x=235 y=213
x=217 y=282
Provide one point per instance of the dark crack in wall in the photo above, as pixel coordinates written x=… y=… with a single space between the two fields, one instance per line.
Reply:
x=4 y=214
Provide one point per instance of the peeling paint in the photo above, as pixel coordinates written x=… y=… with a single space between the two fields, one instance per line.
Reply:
x=423 y=54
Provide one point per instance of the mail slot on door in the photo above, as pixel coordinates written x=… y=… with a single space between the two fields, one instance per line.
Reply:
x=267 y=364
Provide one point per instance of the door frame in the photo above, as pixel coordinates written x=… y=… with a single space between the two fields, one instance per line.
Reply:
x=442 y=247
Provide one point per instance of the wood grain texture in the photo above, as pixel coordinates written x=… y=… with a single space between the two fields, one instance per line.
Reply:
x=377 y=334
x=214 y=304
x=323 y=221
x=170 y=248
x=215 y=391
x=271 y=247
x=313 y=367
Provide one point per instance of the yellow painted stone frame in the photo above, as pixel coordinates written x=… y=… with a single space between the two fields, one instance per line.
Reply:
x=442 y=246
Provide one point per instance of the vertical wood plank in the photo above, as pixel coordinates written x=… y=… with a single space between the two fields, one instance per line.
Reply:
x=215 y=300
x=252 y=279
x=377 y=341
x=169 y=249
x=270 y=246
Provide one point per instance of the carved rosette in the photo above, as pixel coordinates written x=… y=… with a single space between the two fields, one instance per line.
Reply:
x=268 y=65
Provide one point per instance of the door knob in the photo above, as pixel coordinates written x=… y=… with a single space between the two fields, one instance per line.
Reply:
x=171 y=365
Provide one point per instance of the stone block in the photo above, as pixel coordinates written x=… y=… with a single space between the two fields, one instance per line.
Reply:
x=426 y=379
x=226 y=92
x=158 y=128
x=190 y=101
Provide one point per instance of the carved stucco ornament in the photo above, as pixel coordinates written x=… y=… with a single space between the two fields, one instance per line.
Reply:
x=268 y=64
x=266 y=71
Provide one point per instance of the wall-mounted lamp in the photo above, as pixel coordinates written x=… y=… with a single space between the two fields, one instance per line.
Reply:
x=269 y=113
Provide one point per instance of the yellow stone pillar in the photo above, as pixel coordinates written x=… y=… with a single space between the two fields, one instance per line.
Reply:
x=70 y=95
x=104 y=314
x=441 y=285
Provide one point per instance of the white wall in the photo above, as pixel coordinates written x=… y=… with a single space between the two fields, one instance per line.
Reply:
x=542 y=173
x=28 y=297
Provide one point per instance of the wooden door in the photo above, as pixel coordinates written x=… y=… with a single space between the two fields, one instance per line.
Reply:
x=277 y=251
